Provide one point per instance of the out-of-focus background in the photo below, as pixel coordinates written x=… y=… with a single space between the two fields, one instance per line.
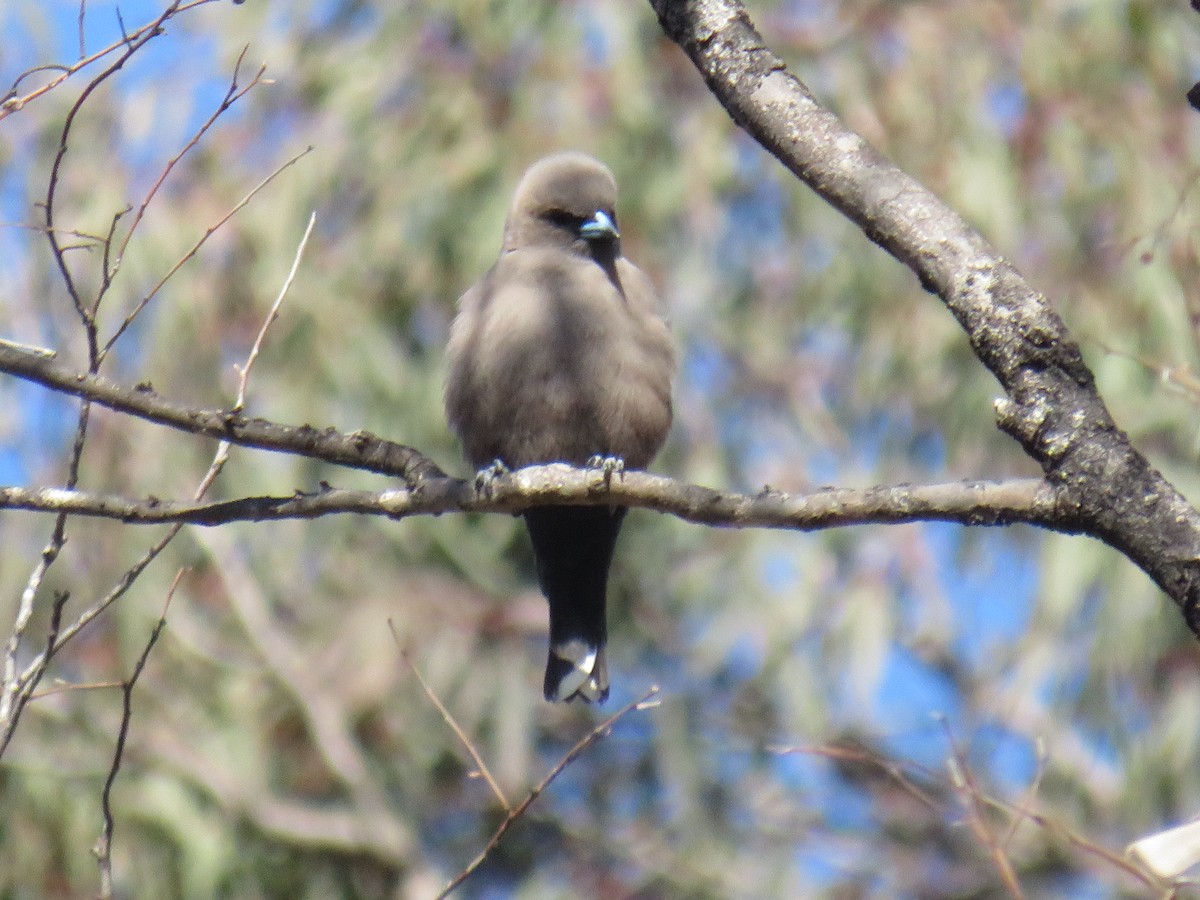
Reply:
x=817 y=689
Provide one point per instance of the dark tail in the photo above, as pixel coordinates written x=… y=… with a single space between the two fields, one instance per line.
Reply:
x=573 y=546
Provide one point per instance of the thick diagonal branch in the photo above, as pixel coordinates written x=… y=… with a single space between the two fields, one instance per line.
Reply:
x=1052 y=407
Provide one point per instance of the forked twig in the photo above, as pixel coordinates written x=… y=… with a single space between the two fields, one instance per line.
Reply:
x=195 y=248
x=571 y=755
x=17 y=689
x=103 y=848
x=232 y=95
x=12 y=102
x=86 y=317
x=896 y=772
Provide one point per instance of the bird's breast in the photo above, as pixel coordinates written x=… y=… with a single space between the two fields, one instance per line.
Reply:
x=568 y=363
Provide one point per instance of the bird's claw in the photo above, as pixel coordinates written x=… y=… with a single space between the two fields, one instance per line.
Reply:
x=608 y=467
x=486 y=477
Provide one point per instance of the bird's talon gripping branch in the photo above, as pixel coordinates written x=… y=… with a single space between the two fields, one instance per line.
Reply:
x=608 y=467
x=488 y=475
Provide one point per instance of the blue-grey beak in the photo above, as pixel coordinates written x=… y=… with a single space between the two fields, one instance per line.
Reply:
x=599 y=227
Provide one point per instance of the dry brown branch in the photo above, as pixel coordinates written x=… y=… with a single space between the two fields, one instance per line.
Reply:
x=110 y=267
x=913 y=779
x=132 y=45
x=966 y=787
x=480 y=766
x=195 y=248
x=14 y=101
x=272 y=315
x=17 y=689
x=358 y=450
x=103 y=847
x=601 y=730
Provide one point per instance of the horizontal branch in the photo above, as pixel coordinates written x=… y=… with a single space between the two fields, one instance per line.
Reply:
x=1030 y=500
x=359 y=450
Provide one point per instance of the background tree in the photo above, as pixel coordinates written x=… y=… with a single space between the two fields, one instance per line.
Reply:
x=279 y=746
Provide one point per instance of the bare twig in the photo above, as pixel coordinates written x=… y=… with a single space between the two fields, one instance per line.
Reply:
x=103 y=848
x=64 y=687
x=14 y=691
x=272 y=315
x=13 y=695
x=195 y=248
x=969 y=793
x=899 y=773
x=1031 y=792
x=131 y=47
x=232 y=95
x=40 y=227
x=449 y=719
x=600 y=731
x=14 y=102
x=18 y=689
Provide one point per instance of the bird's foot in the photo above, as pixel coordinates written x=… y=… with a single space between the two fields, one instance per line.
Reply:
x=608 y=466
x=486 y=477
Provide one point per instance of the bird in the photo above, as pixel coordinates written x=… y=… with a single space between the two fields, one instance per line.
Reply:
x=561 y=353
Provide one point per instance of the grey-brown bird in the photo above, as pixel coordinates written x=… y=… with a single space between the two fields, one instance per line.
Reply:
x=560 y=354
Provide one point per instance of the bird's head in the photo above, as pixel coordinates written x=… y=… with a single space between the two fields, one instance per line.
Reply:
x=565 y=200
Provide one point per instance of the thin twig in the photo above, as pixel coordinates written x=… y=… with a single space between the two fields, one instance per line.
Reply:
x=17 y=691
x=14 y=692
x=1031 y=792
x=14 y=695
x=40 y=228
x=103 y=848
x=22 y=686
x=244 y=371
x=82 y=14
x=12 y=102
x=131 y=47
x=449 y=719
x=571 y=755
x=969 y=794
x=124 y=326
x=232 y=95
x=64 y=687
x=896 y=771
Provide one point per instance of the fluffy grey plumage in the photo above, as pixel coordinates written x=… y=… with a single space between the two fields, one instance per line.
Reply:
x=559 y=354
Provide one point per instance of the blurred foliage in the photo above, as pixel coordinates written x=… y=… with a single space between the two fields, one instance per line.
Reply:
x=280 y=747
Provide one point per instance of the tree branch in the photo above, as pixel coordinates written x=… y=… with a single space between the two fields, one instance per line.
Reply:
x=359 y=450
x=1104 y=486
x=1028 y=500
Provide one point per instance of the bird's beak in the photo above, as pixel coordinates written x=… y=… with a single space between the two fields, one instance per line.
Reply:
x=599 y=227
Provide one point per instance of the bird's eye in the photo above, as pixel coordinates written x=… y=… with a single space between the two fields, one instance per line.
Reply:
x=563 y=219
